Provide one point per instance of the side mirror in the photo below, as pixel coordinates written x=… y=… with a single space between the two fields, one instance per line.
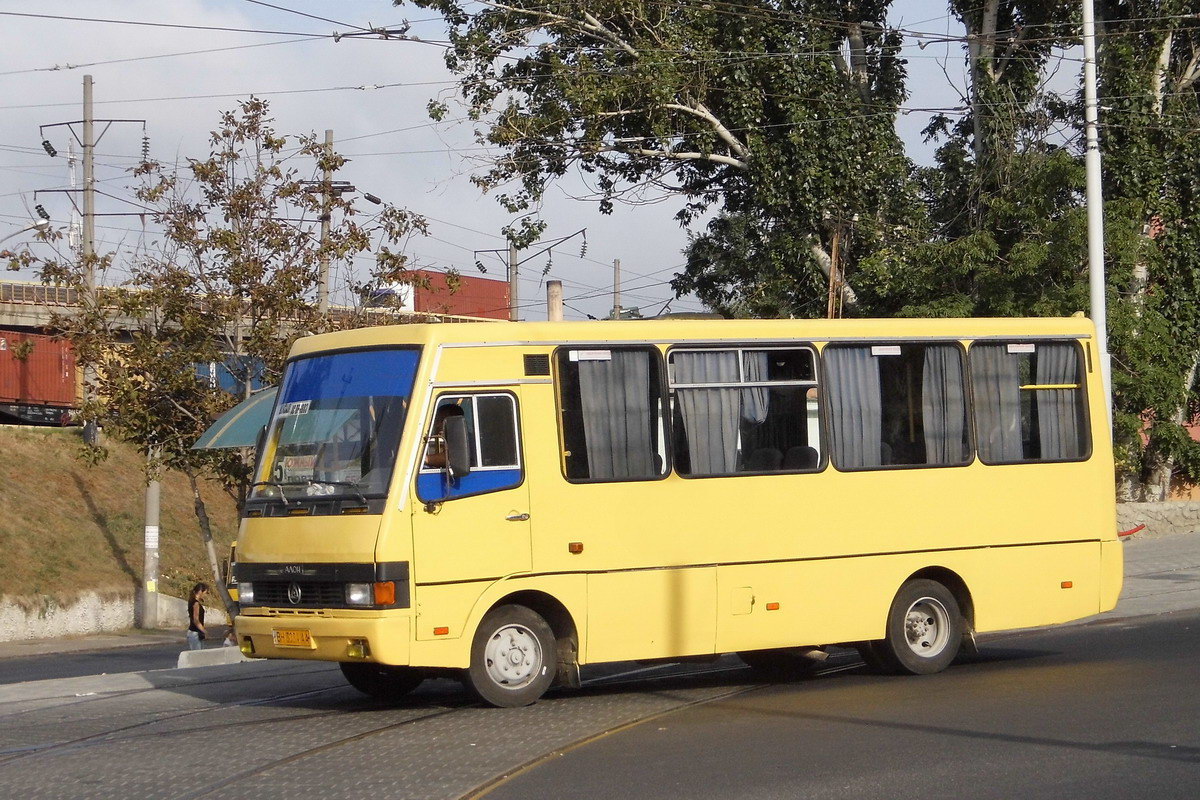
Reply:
x=458 y=453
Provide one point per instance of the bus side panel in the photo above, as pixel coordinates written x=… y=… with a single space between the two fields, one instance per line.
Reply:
x=460 y=607
x=1020 y=587
x=847 y=599
x=651 y=613
x=803 y=602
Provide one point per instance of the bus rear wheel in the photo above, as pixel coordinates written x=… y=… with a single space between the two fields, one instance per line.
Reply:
x=924 y=629
x=381 y=680
x=512 y=657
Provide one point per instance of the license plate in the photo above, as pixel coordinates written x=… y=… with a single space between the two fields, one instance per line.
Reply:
x=292 y=638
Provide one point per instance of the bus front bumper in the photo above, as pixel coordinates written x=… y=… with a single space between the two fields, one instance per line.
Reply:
x=382 y=638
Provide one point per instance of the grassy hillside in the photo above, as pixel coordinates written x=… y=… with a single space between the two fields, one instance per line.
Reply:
x=67 y=528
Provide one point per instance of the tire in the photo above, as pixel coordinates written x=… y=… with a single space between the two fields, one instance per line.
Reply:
x=380 y=680
x=512 y=657
x=924 y=629
x=784 y=663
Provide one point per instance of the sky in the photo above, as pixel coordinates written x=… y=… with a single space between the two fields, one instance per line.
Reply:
x=371 y=93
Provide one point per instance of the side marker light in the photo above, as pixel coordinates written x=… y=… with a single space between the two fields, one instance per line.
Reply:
x=575 y=548
x=441 y=631
x=772 y=606
x=1067 y=584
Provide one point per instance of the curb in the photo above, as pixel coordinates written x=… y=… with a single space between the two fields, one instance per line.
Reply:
x=211 y=657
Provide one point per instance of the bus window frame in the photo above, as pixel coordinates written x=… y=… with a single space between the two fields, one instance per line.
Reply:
x=741 y=346
x=663 y=408
x=427 y=432
x=1084 y=366
x=968 y=398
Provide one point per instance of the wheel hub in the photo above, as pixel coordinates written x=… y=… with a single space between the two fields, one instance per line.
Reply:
x=513 y=656
x=927 y=627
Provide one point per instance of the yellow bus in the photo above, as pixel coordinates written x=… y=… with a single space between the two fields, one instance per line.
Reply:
x=507 y=502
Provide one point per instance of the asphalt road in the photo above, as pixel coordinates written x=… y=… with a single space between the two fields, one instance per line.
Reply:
x=1102 y=710
x=1107 y=710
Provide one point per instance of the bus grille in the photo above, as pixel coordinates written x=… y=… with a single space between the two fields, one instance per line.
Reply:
x=312 y=593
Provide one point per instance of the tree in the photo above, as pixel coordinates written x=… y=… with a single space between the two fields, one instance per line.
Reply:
x=779 y=115
x=231 y=282
x=1149 y=68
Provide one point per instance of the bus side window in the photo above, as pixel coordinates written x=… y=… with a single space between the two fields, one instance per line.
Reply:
x=897 y=405
x=745 y=410
x=611 y=408
x=1029 y=402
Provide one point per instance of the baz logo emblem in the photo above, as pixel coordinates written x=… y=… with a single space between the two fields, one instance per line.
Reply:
x=294 y=594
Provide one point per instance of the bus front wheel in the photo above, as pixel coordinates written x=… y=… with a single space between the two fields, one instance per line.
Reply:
x=380 y=680
x=512 y=657
x=924 y=629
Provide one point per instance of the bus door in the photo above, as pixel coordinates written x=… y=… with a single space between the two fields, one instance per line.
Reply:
x=475 y=527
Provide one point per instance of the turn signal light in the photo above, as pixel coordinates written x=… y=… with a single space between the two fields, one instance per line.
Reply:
x=772 y=606
x=575 y=548
x=385 y=593
x=1067 y=584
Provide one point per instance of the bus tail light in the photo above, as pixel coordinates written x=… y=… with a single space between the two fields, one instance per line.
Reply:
x=385 y=593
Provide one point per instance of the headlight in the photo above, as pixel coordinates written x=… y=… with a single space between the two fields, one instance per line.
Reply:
x=245 y=592
x=359 y=594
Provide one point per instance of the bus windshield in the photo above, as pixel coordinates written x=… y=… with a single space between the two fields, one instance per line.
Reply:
x=336 y=425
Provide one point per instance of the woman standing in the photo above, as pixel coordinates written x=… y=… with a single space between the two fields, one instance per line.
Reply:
x=196 y=632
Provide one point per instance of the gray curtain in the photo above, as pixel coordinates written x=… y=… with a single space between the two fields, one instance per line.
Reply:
x=943 y=406
x=755 y=399
x=995 y=374
x=855 y=406
x=1058 y=409
x=710 y=416
x=615 y=396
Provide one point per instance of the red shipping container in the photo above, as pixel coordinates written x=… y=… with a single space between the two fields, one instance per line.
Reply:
x=37 y=370
x=476 y=297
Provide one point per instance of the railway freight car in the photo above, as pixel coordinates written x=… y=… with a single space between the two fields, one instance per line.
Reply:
x=39 y=383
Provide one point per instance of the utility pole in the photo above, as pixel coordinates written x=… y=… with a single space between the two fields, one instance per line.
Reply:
x=513 y=265
x=89 y=186
x=86 y=252
x=554 y=301
x=150 y=553
x=326 y=213
x=1095 y=204
x=514 y=299
x=616 y=288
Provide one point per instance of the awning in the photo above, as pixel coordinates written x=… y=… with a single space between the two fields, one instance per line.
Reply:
x=239 y=426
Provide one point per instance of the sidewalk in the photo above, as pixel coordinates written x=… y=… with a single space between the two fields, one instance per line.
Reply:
x=1162 y=574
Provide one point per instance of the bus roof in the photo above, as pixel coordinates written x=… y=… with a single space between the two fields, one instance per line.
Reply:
x=677 y=330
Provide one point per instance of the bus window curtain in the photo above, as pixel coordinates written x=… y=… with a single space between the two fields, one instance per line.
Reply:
x=615 y=398
x=856 y=408
x=710 y=416
x=943 y=406
x=755 y=399
x=997 y=380
x=1058 y=409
